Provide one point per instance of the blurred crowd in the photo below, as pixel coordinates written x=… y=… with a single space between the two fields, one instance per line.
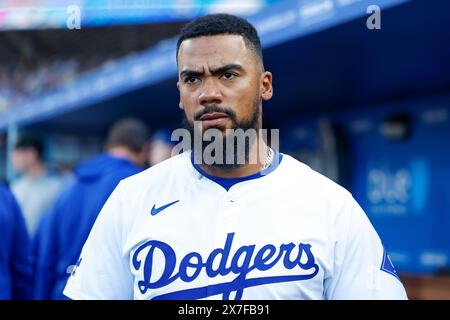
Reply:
x=21 y=82
x=38 y=61
x=46 y=217
x=18 y=83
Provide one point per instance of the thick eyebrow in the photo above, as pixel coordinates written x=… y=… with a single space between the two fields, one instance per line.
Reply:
x=215 y=71
x=227 y=67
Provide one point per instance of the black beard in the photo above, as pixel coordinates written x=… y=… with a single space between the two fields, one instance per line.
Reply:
x=251 y=123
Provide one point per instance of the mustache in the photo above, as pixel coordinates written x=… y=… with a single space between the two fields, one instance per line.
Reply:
x=215 y=108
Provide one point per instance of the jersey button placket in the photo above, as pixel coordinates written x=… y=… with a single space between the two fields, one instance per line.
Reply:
x=224 y=224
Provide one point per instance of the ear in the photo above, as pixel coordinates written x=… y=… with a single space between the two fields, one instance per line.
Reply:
x=266 y=85
x=178 y=87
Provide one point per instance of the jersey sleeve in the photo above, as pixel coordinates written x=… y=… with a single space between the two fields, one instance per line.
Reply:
x=102 y=271
x=362 y=268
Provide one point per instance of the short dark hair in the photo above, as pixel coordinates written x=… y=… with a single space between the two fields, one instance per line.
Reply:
x=29 y=142
x=221 y=23
x=130 y=133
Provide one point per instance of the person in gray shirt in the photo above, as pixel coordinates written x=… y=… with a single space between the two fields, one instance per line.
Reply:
x=37 y=188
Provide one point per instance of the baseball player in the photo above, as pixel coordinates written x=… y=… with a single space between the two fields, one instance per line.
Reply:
x=267 y=229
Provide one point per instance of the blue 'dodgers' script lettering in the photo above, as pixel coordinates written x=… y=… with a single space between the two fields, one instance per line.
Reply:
x=244 y=260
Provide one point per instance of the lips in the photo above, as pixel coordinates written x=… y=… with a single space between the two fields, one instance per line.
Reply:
x=213 y=119
x=213 y=115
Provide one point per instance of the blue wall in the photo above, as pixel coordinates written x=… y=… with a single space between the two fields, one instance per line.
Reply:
x=403 y=185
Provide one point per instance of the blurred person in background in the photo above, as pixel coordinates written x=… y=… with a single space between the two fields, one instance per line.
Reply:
x=16 y=277
x=64 y=230
x=161 y=147
x=38 y=187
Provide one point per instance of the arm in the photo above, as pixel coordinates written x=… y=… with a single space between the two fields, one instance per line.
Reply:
x=362 y=269
x=103 y=271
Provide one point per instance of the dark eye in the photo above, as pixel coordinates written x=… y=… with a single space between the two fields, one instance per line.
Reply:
x=228 y=75
x=190 y=79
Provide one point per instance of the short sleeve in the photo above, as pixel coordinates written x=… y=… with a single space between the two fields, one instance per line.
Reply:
x=362 y=268
x=102 y=271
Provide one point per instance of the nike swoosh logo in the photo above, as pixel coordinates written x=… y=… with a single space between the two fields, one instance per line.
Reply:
x=155 y=210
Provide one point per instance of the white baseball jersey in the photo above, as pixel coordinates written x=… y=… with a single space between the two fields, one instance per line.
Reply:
x=174 y=232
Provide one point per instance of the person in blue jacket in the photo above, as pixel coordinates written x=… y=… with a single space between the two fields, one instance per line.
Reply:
x=16 y=273
x=63 y=232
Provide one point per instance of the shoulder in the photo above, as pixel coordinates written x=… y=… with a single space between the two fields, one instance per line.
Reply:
x=18 y=183
x=175 y=168
x=299 y=175
x=134 y=193
x=331 y=204
x=9 y=208
x=6 y=195
x=324 y=200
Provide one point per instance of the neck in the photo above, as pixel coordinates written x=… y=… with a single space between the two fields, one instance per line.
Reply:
x=259 y=153
x=124 y=153
x=35 y=171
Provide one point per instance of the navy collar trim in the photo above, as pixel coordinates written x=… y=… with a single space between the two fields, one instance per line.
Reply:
x=227 y=183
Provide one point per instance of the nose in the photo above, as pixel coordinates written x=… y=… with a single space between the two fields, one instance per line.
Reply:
x=210 y=92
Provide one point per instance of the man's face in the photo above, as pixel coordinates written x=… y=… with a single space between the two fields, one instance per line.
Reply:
x=24 y=158
x=220 y=82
